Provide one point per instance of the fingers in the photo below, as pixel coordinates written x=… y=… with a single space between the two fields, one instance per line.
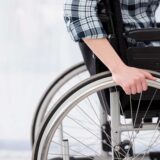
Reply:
x=148 y=75
x=137 y=86
x=127 y=89
x=136 y=82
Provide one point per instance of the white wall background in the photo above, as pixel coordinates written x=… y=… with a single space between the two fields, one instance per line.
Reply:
x=34 y=48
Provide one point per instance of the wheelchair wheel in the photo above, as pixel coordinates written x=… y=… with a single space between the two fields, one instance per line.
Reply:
x=78 y=127
x=68 y=78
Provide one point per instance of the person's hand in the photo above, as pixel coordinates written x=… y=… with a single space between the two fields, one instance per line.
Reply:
x=132 y=80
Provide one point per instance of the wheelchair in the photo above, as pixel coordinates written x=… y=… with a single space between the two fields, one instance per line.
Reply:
x=56 y=89
x=95 y=119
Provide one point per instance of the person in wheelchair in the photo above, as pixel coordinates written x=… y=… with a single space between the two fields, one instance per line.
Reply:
x=84 y=24
x=121 y=36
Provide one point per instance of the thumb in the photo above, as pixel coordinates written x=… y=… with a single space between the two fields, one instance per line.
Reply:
x=149 y=76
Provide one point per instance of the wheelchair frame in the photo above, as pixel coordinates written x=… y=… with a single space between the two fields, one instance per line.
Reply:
x=67 y=102
x=118 y=41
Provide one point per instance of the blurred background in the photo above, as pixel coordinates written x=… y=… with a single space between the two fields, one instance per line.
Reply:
x=34 y=48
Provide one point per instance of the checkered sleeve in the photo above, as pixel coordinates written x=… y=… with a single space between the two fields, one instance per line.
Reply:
x=81 y=19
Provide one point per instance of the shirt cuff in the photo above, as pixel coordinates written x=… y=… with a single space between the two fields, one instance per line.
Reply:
x=89 y=27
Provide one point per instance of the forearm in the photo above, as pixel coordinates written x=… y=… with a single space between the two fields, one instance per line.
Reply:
x=105 y=52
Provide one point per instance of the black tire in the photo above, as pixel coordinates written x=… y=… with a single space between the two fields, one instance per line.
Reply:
x=49 y=89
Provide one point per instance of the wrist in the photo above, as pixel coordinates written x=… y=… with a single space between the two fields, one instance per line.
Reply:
x=117 y=68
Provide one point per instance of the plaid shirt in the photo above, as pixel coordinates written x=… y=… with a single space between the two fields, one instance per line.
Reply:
x=82 y=20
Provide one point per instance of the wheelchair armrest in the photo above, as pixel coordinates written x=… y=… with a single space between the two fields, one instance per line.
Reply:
x=149 y=34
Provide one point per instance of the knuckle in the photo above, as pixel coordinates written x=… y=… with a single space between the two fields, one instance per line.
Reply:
x=142 y=78
x=138 y=78
x=132 y=82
